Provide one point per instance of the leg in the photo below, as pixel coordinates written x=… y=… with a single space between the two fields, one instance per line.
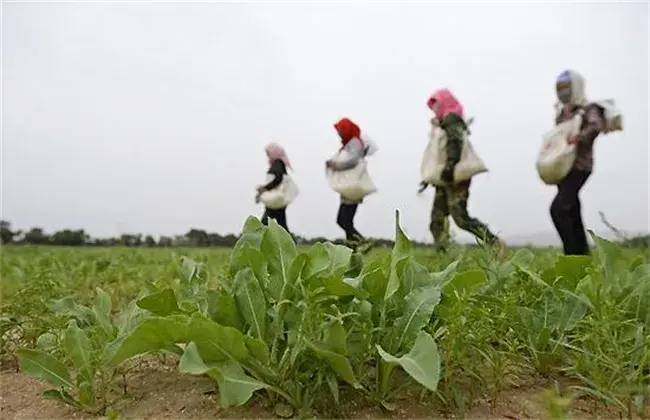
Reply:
x=439 y=225
x=279 y=215
x=265 y=217
x=458 y=196
x=566 y=214
x=345 y=220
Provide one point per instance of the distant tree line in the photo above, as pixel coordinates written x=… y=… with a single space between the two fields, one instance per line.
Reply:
x=193 y=238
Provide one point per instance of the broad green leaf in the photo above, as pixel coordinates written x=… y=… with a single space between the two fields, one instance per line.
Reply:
x=222 y=309
x=258 y=350
x=318 y=261
x=375 y=282
x=44 y=366
x=102 y=310
x=217 y=343
x=339 y=257
x=79 y=349
x=415 y=275
x=251 y=302
x=401 y=252
x=251 y=237
x=162 y=303
x=442 y=277
x=422 y=363
x=523 y=257
x=336 y=338
x=465 y=282
x=570 y=269
x=339 y=363
x=280 y=251
x=152 y=334
x=608 y=254
x=189 y=269
x=419 y=306
x=235 y=387
x=69 y=308
x=131 y=317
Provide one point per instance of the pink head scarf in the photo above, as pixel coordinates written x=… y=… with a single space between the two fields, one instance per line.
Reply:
x=443 y=102
x=276 y=152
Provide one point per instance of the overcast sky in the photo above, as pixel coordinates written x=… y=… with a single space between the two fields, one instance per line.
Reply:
x=152 y=117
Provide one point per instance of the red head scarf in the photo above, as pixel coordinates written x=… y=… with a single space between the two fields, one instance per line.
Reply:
x=347 y=130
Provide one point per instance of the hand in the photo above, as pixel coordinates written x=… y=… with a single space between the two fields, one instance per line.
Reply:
x=572 y=139
x=448 y=175
x=259 y=189
x=423 y=186
x=329 y=164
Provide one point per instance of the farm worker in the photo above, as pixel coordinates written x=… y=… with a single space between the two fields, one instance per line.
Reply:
x=352 y=143
x=452 y=197
x=566 y=208
x=278 y=164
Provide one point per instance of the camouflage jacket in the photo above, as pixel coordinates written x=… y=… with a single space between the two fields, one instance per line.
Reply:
x=455 y=129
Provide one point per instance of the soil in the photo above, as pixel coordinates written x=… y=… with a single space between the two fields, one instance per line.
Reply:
x=156 y=390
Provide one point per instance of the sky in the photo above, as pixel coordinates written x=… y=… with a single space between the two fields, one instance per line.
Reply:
x=153 y=117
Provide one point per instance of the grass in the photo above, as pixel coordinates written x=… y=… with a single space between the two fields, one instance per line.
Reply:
x=578 y=329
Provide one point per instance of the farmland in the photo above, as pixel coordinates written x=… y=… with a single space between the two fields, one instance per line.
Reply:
x=268 y=329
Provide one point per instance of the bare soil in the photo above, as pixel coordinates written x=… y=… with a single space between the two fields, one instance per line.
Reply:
x=156 y=390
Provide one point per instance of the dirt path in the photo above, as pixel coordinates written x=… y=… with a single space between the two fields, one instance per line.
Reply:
x=157 y=391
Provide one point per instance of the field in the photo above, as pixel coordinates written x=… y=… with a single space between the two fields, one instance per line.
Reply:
x=269 y=329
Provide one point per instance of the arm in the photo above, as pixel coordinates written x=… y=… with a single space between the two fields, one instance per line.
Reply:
x=277 y=170
x=594 y=124
x=355 y=152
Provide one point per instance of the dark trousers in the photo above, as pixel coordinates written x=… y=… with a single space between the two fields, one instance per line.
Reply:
x=279 y=215
x=566 y=213
x=345 y=220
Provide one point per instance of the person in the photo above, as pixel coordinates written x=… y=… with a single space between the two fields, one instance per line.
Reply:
x=278 y=164
x=566 y=207
x=352 y=143
x=451 y=198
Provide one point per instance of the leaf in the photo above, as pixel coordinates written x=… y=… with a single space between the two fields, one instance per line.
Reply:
x=333 y=385
x=336 y=338
x=217 y=343
x=442 y=277
x=401 y=251
x=162 y=303
x=152 y=334
x=258 y=350
x=419 y=306
x=280 y=251
x=102 y=310
x=189 y=269
x=339 y=363
x=422 y=363
x=78 y=347
x=608 y=254
x=375 y=282
x=44 y=366
x=86 y=394
x=222 y=309
x=251 y=238
x=465 y=282
x=69 y=308
x=235 y=387
x=55 y=394
x=571 y=269
x=415 y=275
x=251 y=302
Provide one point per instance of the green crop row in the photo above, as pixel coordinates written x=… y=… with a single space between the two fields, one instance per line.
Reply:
x=307 y=329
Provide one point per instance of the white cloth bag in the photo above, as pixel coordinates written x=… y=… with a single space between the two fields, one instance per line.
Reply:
x=435 y=157
x=282 y=195
x=352 y=184
x=556 y=156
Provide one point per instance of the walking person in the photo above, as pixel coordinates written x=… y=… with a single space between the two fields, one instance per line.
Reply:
x=566 y=209
x=278 y=164
x=353 y=144
x=451 y=198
